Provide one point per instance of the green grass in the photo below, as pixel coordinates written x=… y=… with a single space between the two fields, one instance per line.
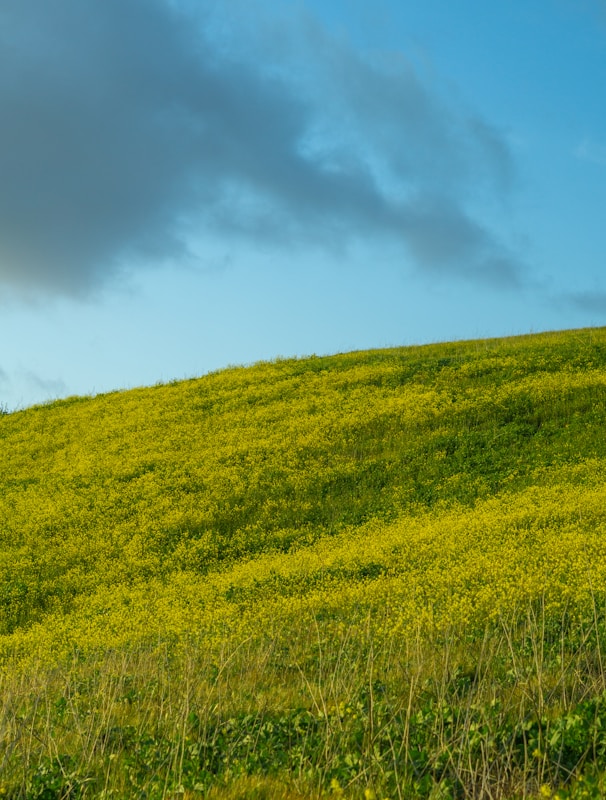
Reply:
x=376 y=574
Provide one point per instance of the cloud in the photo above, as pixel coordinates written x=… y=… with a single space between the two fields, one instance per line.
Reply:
x=20 y=383
x=133 y=128
x=587 y=301
x=589 y=150
x=51 y=387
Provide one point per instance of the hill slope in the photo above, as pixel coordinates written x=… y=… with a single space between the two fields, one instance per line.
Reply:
x=378 y=574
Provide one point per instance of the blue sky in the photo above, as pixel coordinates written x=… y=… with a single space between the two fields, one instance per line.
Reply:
x=187 y=185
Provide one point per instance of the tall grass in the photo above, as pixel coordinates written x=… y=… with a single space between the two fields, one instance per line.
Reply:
x=509 y=712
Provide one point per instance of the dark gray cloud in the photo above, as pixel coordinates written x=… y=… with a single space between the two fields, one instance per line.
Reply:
x=131 y=126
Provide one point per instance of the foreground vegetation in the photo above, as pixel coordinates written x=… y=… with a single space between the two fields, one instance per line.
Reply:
x=373 y=575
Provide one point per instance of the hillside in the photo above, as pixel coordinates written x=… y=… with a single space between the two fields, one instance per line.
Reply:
x=379 y=574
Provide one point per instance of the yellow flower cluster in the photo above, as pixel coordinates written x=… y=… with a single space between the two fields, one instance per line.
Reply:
x=455 y=567
x=256 y=498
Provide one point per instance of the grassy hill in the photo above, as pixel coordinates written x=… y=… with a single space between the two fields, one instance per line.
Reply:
x=372 y=575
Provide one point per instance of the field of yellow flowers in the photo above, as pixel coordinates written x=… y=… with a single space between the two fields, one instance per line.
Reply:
x=372 y=575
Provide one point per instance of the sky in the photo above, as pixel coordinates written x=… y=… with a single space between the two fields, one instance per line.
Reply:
x=191 y=184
